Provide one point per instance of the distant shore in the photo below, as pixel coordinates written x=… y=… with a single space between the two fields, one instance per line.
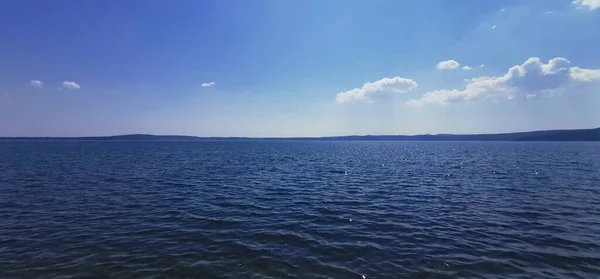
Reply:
x=548 y=135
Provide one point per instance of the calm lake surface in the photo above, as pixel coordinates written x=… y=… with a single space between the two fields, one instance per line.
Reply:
x=299 y=209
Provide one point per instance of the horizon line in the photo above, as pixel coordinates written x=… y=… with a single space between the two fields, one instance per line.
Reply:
x=295 y=137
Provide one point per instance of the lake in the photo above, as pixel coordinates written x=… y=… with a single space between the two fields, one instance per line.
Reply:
x=299 y=209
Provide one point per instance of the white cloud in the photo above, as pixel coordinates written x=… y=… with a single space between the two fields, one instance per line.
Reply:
x=482 y=65
x=503 y=9
x=36 y=83
x=580 y=74
x=390 y=85
x=467 y=68
x=494 y=27
x=70 y=85
x=208 y=84
x=530 y=78
x=448 y=64
x=591 y=4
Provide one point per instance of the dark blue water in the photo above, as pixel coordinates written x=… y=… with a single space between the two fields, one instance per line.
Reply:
x=294 y=209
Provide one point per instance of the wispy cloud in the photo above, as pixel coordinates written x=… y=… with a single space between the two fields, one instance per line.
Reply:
x=467 y=68
x=36 y=83
x=447 y=65
x=208 y=84
x=70 y=85
x=390 y=85
x=590 y=4
x=532 y=77
x=494 y=27
x=482 y=65
x=587 y=75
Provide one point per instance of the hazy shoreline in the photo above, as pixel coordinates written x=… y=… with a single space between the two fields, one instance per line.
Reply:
x=546 y=135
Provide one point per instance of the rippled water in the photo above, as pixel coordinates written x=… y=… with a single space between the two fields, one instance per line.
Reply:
x=294 y=209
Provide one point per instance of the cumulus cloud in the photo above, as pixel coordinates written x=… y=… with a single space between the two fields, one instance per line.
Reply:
x=530 y=78
x=36 y=83
x=590 y=4
x=208 y=84
x=467 y=68
x=448 y=64
x=70 y=85
x=389 y=85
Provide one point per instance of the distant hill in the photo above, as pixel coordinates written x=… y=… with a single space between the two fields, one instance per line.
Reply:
x=550 y=135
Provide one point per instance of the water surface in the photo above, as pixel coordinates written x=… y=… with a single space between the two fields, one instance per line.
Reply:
x=299 y=209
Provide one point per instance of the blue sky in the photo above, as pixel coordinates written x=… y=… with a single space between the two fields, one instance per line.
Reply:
x=297 y=68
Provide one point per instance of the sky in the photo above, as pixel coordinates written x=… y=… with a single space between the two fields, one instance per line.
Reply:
x=297 y=68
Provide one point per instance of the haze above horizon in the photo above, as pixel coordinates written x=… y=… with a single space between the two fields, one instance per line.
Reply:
x=310 y=68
